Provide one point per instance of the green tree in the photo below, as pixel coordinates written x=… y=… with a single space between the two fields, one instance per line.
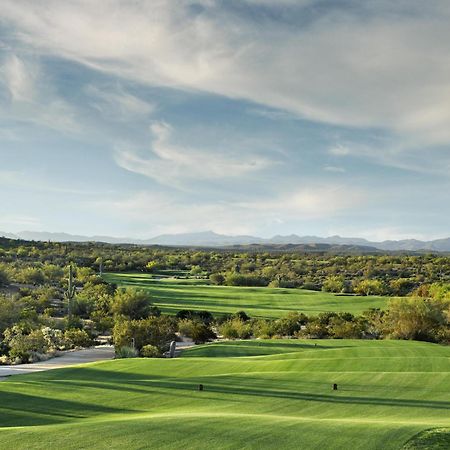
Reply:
x=414 y=318
x=9 y=312
x=156 y=331
x=133 y=304
x=369 y=287
x=334 y=283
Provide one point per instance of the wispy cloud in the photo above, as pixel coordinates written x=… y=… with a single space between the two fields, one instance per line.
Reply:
x=161 y=212
x=339 y=150
x=172 y=164
x=334 y=169
x=31 y=98
x=113 y=102
x=361 y=65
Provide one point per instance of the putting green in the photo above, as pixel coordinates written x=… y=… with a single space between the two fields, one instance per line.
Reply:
x=275 y=394
x=172 y=295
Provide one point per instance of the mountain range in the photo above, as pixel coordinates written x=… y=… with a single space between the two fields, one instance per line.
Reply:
x=211 y=239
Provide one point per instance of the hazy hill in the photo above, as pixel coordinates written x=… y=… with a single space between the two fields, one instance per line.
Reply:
x=211 y=239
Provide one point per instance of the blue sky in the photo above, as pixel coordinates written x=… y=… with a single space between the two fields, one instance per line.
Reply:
x=242 y=117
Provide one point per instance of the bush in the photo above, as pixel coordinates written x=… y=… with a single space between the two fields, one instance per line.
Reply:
x=4 y=278
x=157 y=331
x=369 y=287
x=314 y=330
x=241 y=315
x=290 y=324
x=415 y=318
x=203 y=316
x=342 y=329
x=263 y=329
x=237 y=279
x=334 y=284
x=217 y=278
x=126 y=352
x=77 y=338
x=9 y=312
x=133 y=303
x=23 y=346
x=236 y=329
x=196 y=330
x=150 y=351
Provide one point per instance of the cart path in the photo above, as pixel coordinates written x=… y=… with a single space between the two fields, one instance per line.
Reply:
x=71 y=358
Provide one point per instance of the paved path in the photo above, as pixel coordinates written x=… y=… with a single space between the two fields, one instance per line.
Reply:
x=99 y=353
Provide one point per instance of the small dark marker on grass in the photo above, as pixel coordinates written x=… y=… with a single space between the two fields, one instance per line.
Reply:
x=335 y=387
x=200 y=387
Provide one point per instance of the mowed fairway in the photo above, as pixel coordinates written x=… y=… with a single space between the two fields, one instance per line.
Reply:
x=172 y=295
x=274 y=394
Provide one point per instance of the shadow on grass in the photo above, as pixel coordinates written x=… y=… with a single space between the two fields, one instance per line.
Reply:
x=95 y=387
x=18 y=409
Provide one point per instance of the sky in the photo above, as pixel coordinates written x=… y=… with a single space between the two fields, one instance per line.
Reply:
x=262 y=117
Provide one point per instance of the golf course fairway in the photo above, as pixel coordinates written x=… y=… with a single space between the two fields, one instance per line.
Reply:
x=171 y=295
x=257 y=395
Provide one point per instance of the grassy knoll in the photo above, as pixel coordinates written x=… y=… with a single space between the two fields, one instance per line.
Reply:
x=171 y=295
x=275 y=394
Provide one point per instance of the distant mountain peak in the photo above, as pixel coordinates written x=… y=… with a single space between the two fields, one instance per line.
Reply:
x=210 y=238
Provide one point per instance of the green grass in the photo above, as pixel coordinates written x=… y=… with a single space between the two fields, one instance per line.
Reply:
x=275 y=394
x=437 y=439
x=171 y=295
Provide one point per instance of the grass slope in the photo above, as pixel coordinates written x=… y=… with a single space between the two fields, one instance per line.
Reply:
x=171 y=295
x=275 y=394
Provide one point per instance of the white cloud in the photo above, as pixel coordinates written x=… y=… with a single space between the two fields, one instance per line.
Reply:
x=18 y=79
x=339 y=150
x=334 y=169
x=369 y=65
x=13 y=221
x=114 y=102
x=31 y=97
x=171 y=164
x=381 y=234
x=162 y=213
x=312 y=202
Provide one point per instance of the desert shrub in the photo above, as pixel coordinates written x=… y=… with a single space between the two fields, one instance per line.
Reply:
x=369 y=287
x=217 y=278
x=203 y=316
x=241 y=315
x=310 y=286
x=73 y=322
x=343 y=329
x=77 y=338
x=263 y=329
x=157 y=331
x=196 y=330
x=23 y=346
x=402 y=286
x=440 y=291
x=237 y=279
x=133 y=303
x=314 y=330
x=290 y=324
x=9 y=312
x=334 y=283
x=415 y=318
x=54 y=338
x=150 y=351
x=4 y=277
x=126 y=351
x=235 y=329
x=31 y=275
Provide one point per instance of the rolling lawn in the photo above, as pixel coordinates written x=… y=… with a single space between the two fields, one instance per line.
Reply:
x=258 y=395
x=171 y=295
